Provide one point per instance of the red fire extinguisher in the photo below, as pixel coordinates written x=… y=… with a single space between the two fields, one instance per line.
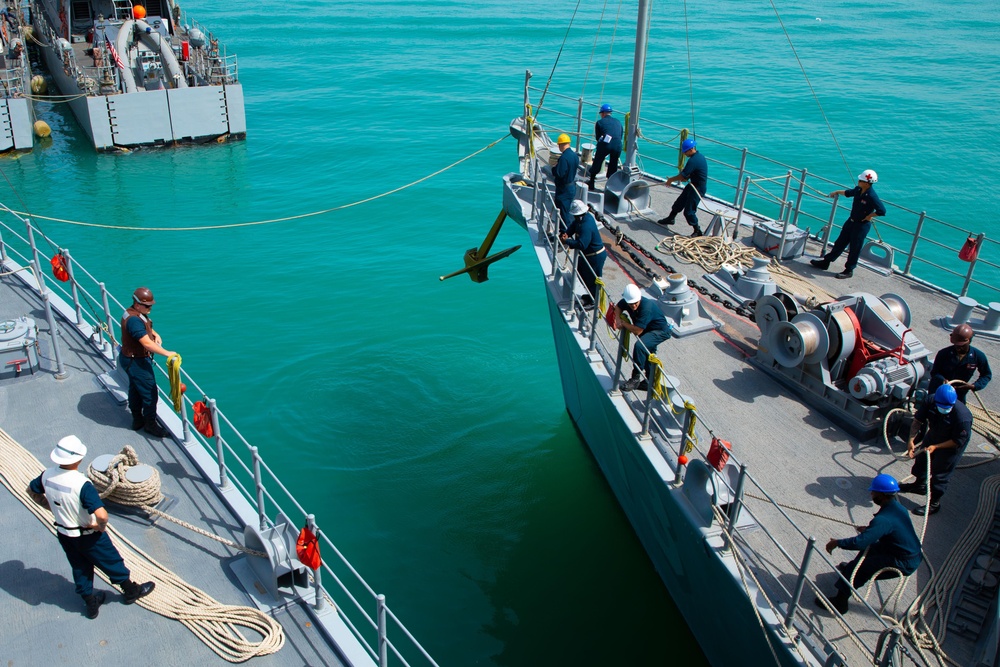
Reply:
x=969 y=251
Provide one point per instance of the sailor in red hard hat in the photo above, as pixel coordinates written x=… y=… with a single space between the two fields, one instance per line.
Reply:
x=139 y=343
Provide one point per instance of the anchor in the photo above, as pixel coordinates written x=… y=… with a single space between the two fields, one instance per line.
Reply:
x=476 y=261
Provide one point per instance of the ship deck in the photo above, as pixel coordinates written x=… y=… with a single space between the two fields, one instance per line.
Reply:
x=43 y=617
x=799 y=456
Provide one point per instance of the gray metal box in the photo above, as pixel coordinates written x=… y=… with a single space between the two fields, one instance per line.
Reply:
x=767 y=239
x=18 y=347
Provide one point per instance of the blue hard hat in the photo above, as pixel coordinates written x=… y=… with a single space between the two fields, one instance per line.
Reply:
x=688 y=145
x=945 y=396
x=884 y=484
x=606 y=108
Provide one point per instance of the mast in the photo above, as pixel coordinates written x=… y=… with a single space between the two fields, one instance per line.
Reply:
x=638 y=73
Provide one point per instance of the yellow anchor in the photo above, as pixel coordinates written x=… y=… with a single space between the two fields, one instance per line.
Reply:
x=476 y=262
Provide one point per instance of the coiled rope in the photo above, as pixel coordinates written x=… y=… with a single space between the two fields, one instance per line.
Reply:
x=216 y=624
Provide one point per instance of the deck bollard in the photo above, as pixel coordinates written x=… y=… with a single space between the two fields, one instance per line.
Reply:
x=51 y=319
x=963 y=310
x=219 y=453
x=259 y=489
x=383 y=640
x=318 y=572
x=799 y=583
x=76 y=289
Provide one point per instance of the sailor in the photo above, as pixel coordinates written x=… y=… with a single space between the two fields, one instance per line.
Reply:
x=583 y=235
x=139 y=343
x=959 y=361
x=695 y=172
x=649 y=325
x=949 y=426
x=608 y=131
x=889 y=538
x=80 y=520
x=866 y=206
x=564 y=175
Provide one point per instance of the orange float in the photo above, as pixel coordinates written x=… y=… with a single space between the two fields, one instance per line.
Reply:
x=138 y=12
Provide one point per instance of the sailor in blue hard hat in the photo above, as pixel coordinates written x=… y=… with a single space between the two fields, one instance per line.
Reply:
x=889 y=538
x=80 y=520
x=948 y=425
x=695 y=172
x=608 y=132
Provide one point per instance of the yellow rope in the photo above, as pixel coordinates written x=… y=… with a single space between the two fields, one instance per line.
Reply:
x=602 y=296
x=273 y=220
x=692 y=438
x=656 y=376
x=174 y=373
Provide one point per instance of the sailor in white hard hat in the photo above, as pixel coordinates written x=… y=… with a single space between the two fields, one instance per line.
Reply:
x=866 y=206
x=583 y=235
x=651 y=328
x=80 y=520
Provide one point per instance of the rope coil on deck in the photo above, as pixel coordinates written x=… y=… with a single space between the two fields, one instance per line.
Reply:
x=218 y=625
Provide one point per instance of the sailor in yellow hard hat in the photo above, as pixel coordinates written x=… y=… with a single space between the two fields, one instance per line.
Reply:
x=564 y=174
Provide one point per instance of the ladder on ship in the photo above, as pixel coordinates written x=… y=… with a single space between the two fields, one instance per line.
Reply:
x=123 y=10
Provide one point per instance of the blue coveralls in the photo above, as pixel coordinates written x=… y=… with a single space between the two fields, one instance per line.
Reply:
x=696 y=173
x=90 y=550
x=947 y=366
x=856 y=229
x=941 y=427
x=142 y=393
x=590 y=262
x=893 y=543
x=655 y=330
x=608 y=131
x=564 y=175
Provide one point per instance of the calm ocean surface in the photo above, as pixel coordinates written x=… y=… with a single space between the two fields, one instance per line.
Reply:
x=423 y=421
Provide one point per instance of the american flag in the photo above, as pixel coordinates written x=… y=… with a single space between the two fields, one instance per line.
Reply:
x=114 y=53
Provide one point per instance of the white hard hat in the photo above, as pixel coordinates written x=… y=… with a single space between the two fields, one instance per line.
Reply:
x=868 y=176
x=632 y=294
x=577 y=207
x=69 y=450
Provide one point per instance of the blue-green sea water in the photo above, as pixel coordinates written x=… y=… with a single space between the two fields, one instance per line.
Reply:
x=423 y=421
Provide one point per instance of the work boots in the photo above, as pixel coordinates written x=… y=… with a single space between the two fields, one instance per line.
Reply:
x=821 y=263
x=137 y=420
x=94 y=603
x=134 y=591
x=838 y=602
x=154 y=429
x=634 y=383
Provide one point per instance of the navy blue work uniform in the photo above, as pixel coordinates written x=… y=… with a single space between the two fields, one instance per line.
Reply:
x=138 y=366
x=655 y=330
x=564 y=175
x=855 y=230
x=893 y=543
x=590 y=261
x=89 y=548
x=941 y=427
x=609 y=132
x=696 y=173
x=948 y=366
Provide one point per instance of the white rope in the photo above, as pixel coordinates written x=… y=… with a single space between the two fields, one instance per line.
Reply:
x=217 y=625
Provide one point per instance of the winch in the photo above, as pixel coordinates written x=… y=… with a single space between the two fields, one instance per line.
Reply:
x=853 y=358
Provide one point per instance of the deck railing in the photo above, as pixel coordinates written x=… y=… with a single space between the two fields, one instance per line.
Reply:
x=662 y=420
x=95 y=312
x=783 y=192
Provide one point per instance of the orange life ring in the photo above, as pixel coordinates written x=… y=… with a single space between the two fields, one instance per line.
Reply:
x=203 y=419
x=59 y=269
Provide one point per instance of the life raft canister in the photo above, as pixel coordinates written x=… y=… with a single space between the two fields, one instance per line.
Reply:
x=307 y=549
x=59 y=269
x=969 y=251
x=203 y=419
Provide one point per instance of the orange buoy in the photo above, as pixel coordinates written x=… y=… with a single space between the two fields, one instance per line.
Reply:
x=682 y=460
x=139 y=12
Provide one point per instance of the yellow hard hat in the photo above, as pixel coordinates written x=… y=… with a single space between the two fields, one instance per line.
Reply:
x=563 y=139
